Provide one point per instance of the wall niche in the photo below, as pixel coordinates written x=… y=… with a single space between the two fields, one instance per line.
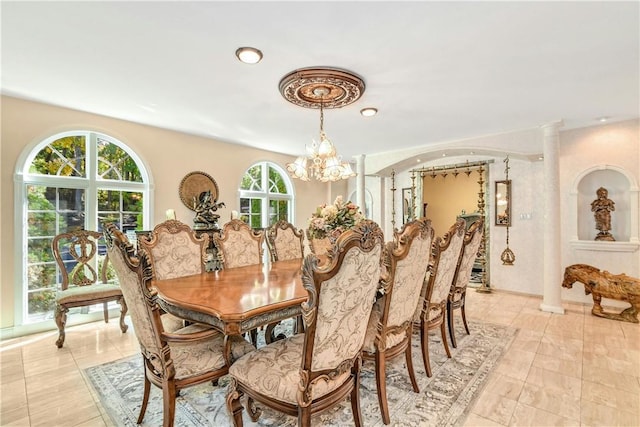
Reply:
x=624 y=219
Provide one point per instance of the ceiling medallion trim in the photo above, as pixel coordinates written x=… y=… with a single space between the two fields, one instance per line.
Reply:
x=333 y=87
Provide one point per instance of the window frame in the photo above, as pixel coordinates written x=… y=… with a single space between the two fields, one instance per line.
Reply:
x=90 y=184
x=266 y=196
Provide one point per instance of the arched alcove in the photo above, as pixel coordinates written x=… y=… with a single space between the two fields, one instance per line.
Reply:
x=622 y=189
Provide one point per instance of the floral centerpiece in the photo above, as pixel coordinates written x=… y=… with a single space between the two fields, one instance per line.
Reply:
x=332 y=220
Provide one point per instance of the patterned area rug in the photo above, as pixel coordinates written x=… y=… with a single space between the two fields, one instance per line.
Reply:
x=444 y=399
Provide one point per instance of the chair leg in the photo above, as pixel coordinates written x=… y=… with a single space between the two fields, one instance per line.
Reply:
x=464 y=318
x=409 y=360
x=105 y=311
x=443 y=332
x=424 y=340
x=145 y=398
x=355 y=395
x=452 y=332
x=304 y=416
x=61 y=321
x=234 y=407
x=168 y=403
x=123 y=312
x=381 y=382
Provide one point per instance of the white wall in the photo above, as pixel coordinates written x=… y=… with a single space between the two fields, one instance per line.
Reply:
x=616 y=145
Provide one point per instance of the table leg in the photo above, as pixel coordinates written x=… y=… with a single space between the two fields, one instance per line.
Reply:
x=227 y=350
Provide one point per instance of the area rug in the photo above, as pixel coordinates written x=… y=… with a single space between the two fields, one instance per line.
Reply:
x=444 y=399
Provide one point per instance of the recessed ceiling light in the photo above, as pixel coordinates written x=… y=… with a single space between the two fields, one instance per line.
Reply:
x=603 y=119
x=249 y=55
x=369 y=111
x=417 y=160
x=444 y=154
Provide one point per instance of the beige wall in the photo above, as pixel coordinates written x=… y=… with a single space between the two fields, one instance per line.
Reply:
x=168 y=155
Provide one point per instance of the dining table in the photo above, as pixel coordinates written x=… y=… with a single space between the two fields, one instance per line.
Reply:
x=236 y=300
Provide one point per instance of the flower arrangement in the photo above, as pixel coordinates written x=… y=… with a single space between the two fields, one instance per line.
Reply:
x=332 y=220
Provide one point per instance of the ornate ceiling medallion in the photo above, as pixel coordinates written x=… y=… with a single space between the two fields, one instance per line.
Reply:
x=331 y=87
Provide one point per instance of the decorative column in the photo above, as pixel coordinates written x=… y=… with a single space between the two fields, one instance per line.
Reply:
x=360 y=182
x=552 y=275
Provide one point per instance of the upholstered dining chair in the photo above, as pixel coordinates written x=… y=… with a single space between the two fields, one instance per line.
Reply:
x=174 y=250
x=284 y=241
x=239 y=244
x=75 y=253
x=457 y=294
x=172 y=360
x=315 y=370
x=391 y=323
x=445 y=254
x=318 y=246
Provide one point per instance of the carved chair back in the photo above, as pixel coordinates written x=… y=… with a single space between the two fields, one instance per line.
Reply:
x=285 y=241
x=239 y=245
x=470 y=248
x=76 y=254
x=407 y=260
x=141 y=298
x=175 y=250
x=341 y=295
x=446 y=253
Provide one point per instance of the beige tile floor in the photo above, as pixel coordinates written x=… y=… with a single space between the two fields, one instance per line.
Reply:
x=574 y=369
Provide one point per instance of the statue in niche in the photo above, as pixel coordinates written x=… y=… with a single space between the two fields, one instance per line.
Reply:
x=205 y=208
x=602 y=208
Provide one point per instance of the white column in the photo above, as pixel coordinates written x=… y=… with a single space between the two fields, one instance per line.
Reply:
x=551 y=241
x=360 y=182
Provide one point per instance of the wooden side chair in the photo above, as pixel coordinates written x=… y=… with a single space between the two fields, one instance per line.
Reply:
x=457 y=294
x=314 y=371
x=76 y=254
x=445 y=254
x=239 y=245
x=285 y=241
x=174 y=250
x=318 y=246
x=391 y=323
x=172 y=361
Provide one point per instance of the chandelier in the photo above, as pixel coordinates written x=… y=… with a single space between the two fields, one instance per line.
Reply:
x=321 y=88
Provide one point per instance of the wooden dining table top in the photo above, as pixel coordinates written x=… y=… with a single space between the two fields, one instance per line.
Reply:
x=236 y=299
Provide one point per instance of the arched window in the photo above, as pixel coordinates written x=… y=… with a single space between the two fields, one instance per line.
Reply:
x=72 y=180
x=266 y=195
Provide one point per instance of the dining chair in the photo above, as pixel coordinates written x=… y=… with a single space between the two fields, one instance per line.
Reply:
x=75 y=253
x=318 y=246
x=172 y=360
x=391 y=323
x=457 y=294
x=315 y=370
x=239 y=245
x=445 y=254
x=284 y=241
x=174 y=250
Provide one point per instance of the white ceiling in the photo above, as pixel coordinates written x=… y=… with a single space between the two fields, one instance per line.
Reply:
x=437 y=71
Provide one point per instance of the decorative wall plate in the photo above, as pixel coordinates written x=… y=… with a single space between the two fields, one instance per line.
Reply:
x=195 y=183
